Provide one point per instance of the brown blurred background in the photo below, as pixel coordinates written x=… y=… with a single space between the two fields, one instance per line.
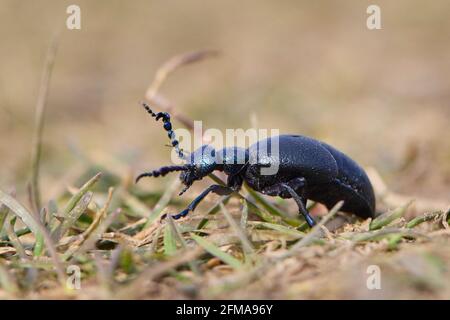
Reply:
x=308 y=67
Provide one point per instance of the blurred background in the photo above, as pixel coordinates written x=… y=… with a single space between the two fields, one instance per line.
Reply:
x=304 y=67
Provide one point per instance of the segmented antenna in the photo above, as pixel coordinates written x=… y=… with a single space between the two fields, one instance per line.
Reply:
x=167 y=126
x=161 y=172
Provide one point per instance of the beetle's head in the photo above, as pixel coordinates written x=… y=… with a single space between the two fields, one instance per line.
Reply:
x=199 y=164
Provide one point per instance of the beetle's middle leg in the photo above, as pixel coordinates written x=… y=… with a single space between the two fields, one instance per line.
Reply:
x=215 y=188
x=301 y=201
x=292 y=189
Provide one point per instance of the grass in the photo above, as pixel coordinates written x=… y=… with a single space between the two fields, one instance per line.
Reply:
x=231 y=256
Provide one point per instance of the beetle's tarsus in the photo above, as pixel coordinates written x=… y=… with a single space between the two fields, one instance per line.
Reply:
x=176 y=216
x=301 y=205
x=182 y=214
x=215 y=188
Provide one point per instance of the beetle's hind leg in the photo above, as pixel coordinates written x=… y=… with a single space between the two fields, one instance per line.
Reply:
x=301 y=204
x=215 y=188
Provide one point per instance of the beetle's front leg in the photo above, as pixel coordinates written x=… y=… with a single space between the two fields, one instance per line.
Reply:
x=301 y=204
x=215 y=188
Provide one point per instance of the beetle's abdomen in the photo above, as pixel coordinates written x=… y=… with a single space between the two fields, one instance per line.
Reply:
x=293 y=156
x=351 y=185
x=330 y=175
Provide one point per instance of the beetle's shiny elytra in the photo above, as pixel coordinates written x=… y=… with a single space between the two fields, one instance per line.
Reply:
x=307 y=169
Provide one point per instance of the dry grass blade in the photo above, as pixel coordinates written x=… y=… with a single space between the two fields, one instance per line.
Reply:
x=168 y=68
x=244 y=216
x=315 y=232
x=173 y=64
x=246 y=244
x=217 y=252
x=388 y=217
x=101 y=214
x=179 y=237
x=7 y=250
x=154 y=244
x=7 y=282
x=40 y=119
x=94 y=236
x=445 y=219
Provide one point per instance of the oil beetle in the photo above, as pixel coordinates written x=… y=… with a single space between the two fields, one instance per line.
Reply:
x=307 y=169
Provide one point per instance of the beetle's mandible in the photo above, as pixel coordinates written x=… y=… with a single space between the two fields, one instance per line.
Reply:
x=307 y=169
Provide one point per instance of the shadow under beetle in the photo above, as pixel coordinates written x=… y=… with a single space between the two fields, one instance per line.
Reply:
x=307 y=169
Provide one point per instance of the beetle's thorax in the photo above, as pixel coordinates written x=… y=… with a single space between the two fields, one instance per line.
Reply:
x=206 y=159
x=232 y=160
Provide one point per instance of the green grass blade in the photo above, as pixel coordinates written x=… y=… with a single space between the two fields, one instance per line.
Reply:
x=162 y=203
x=9 y=227
x=77 y=196
x=19 y=233
x=394 y=240
x=3 y=213
x=20 y=211
x=388 y=217
x=260 y=212
x=170 y=244
x=268 y=206
x=280 y=228
x=213 y=210
x=215 y=251
x=138 y=208
x=179 y=237
x=38 y=245
x=72 y=216
x=240 y=232
x=421 y=219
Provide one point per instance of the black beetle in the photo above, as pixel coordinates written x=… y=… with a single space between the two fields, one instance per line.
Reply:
x=307 y=169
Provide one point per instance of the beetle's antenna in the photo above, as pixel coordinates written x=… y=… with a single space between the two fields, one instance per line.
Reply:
x=185 y=152
x=161 y=172
x=167 y=126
